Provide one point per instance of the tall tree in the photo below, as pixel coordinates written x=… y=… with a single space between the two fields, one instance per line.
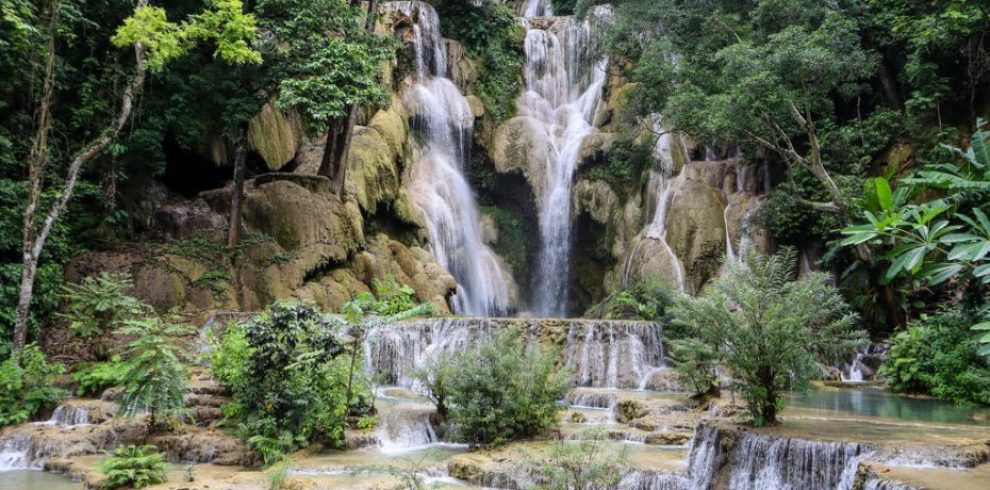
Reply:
x=155 y=41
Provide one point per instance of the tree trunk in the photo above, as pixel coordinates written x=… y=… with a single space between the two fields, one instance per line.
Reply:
x=34 y=241
x=236 y=196
x=334 y=162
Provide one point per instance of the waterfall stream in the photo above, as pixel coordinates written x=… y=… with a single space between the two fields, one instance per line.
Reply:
x=564 y=73
x=436 y=181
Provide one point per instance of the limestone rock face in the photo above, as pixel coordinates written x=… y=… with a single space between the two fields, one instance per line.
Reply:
x=696 y=226
x=462 y=70
x=373 y=176
x=595 y=148
x=598 y=199
x=178 y=221
x=275 y=136
x=521 y=147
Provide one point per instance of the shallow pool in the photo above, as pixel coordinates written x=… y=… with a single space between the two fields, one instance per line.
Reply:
x=36 y=480
x=877 y=403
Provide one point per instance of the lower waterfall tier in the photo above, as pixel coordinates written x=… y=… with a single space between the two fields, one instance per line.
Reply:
x=600 y=353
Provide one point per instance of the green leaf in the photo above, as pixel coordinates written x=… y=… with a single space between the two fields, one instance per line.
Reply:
x=885 y=196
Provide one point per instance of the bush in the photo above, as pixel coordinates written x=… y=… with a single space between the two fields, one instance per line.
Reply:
x=648 y=299
x=288 y=380
x=696 y=366
x=769 y=329
x=26 y=385
x=93 y=378
x=133 y=466
x=100 y=304
x=504 y=390
x=155 y=372
x=937 y=355
x=586 y=464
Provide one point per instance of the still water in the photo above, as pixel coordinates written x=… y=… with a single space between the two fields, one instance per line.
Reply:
x=875 y=403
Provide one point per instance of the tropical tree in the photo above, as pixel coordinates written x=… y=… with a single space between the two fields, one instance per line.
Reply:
x=155 y=377
x=937 y=240
x=155 y=41
x=769 y=329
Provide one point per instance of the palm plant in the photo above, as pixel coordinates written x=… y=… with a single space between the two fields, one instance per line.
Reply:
x=155 y=376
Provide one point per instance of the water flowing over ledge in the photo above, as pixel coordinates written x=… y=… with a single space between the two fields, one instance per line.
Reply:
x=601 y=353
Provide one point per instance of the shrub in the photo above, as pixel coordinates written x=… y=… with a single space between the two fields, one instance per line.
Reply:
x=587 y=464
x=155 y=372
x=769 y=329
x=505 y=390
x=100 y=304
x=437 y=377
x=26 y=385
x=93 y=378
x=133 y=466
x=937 y=355
x=648 y=299
x=288 y=381
x=696 y=366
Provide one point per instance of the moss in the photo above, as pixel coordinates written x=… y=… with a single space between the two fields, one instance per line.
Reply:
x=513 y=244
x=274 y=136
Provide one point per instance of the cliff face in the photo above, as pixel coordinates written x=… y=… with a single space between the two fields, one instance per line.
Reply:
x=674 y=218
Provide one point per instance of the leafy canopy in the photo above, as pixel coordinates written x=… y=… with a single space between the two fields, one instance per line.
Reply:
x=768 y=329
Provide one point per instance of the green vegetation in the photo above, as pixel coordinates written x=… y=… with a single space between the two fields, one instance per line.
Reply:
x=287 y=378
x=93 y=378
x=490 y=34
x=768 y=329
x=133 y=467
x=100 y=304
x=155 y=375
x=647 y=299
x=937 y=355
x=588 y=463
x=502 y=391
x=513 y=244
x=26 y=385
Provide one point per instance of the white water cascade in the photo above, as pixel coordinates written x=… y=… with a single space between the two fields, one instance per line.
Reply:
x=564 y=73
x=600 y=353
x=436 y=183
x=660 y=185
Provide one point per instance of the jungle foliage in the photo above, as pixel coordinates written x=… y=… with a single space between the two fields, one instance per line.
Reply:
x=768 y=329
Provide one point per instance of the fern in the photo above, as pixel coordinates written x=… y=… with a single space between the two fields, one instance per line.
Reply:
x=133 y=466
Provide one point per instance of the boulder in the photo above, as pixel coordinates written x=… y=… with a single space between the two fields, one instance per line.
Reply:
x=296 y=218
x=372 y=174
x=182 y=220
x=521 y=146
x=595 y=148
x=596 y=197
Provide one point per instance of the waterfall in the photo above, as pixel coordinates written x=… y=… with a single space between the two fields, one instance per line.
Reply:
x=537 y=8
x=564 y=75
x=69 y=416
x=406 y=428
x=659 y=190
x=18 y=454
x=757 y=461
x=436 y=183
x=653 y=480
x=602 y=354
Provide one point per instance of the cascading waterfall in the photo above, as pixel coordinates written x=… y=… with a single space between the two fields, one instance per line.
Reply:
x=18 y=454
x=660 y=185
x=756 y=461
x=564 y=75
x=602 y=354
x=405 y=428
x=436 y=182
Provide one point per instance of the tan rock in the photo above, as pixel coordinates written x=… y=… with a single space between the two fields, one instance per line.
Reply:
x=696 y=226
x=274 y=135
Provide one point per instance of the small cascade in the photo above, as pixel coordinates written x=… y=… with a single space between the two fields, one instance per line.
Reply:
x=18 y=453
x=405 y=428
x=864 y=363
x=874 y=482
x=565 y=73
x=756 y=461
x=602 y=354
x=537 y=8
x=660 y=185
x=653 y=480
x=70 y=416
x=436 y=182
